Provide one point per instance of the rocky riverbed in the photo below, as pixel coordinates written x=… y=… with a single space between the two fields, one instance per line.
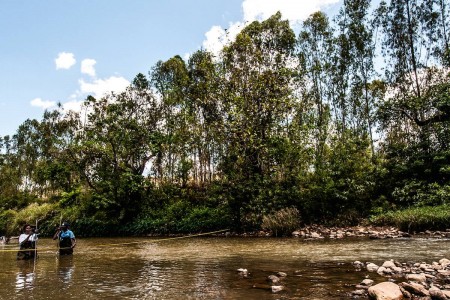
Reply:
x=405 y=280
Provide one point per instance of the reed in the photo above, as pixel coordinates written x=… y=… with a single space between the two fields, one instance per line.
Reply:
x=282 y=222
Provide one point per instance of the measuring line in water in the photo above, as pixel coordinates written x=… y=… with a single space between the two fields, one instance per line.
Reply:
x=47 y=250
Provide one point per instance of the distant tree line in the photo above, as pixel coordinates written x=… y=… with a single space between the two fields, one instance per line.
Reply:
x=276 y=121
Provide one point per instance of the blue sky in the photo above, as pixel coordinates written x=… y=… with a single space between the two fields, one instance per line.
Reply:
x=62 y=51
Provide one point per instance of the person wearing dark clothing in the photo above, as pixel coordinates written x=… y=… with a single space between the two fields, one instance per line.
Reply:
x=27 y=243
x=66 y=239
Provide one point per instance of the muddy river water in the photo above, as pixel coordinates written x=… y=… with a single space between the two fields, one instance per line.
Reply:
x=204 y=267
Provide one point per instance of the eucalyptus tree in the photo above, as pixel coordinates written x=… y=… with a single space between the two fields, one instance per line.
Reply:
x=205 y=110
x=353 y=68
x=28 y=151
x=315 y=51
x=171 y=81
x=415 y=39
x=414 y=116
x=257 y=96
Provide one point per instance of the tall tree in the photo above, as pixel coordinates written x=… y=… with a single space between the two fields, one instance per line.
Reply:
x=257 y=101
x=206 y=114
x=415 y=115
x=315 y=52
x=171 y=80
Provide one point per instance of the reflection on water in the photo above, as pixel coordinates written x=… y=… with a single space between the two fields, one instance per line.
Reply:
x=25 y=276
x=65 y=269
x=204 y=268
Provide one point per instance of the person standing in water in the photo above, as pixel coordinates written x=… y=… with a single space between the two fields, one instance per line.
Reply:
x=66 y=239
x=27 y=243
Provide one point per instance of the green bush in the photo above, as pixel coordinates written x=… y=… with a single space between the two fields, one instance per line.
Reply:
x=90 y=226
x=416 y=218
x=180 y=217
x=201 y=219
x=282 y=222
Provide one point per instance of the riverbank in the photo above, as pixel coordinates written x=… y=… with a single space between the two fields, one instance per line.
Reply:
x=322 y=232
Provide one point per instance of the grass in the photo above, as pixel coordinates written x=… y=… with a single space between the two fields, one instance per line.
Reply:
x=416 y=219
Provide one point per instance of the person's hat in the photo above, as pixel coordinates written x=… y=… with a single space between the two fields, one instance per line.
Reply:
x=65 y=224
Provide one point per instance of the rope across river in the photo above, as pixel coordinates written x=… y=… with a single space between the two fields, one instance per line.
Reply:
x=52 y=250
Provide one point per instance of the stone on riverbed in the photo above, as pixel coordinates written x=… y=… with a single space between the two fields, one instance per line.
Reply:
x=273 y=279
x=415 y=288
x=416 y=277
x=444 y=262
x=277 y=288
x=444 y=272
x=358 y=264
x=371 y=267
x=385 y=291
x=389 y=264
x=436 y=294
x=243 y=272
x=359 y=292
x=367 y=282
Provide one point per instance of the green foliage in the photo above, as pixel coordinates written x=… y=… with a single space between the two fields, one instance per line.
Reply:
x=7 y=218
x=271 y=123
x=421 y=193
x=181 y=217
x=416 y=219
x=282 y=222
x=91 y=226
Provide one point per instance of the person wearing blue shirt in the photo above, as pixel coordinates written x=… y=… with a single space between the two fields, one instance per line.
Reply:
x=66 y=239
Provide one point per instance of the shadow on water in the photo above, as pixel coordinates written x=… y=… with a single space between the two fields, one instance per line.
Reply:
x=205 y=268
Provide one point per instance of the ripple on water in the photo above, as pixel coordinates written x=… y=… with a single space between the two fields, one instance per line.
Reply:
x=205 y=268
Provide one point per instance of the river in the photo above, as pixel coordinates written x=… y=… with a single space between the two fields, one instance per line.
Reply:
x=204 y=267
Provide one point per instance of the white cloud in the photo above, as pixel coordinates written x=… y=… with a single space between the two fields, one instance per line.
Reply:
x=214 y=39
x=38 y=102
x=65 y=60
x=217 y=37
x=73 y=105
x=87 y=66
x=100 y=87
x=295 y=11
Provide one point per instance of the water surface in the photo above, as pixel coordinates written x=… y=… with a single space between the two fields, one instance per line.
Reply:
x=204 y=268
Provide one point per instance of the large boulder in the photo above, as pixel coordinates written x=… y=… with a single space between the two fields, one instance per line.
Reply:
x=385 y=291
